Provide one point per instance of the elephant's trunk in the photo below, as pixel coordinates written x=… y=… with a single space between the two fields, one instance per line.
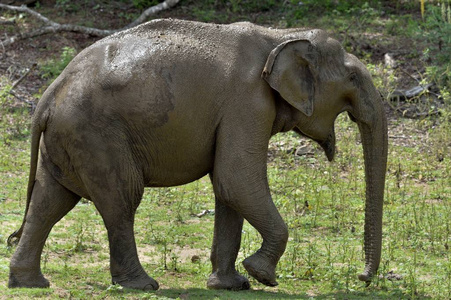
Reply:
x=373 y=129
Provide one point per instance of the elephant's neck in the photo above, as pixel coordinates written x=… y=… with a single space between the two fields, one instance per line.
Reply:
x=287 y=117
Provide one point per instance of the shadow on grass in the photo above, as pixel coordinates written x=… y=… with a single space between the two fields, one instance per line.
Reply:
x=103 y=291
x=199 y=293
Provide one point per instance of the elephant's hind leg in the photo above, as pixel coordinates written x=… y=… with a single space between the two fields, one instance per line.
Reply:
x=117 y=197
x=50 y=201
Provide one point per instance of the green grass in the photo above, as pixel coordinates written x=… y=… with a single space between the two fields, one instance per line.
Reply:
x=53 y=67
x=321 y=202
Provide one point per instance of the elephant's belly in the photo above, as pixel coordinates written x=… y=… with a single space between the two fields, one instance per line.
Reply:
x=179 y=152
x=179 y=171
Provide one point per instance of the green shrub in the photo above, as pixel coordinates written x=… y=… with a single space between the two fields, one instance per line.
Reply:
x=14 y=118
x=436 y=32
x=53 y=67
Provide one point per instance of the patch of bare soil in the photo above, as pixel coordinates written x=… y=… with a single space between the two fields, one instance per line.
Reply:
x=23 y=56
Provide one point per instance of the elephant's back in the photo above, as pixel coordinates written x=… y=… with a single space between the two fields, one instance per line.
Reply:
x=158 y=91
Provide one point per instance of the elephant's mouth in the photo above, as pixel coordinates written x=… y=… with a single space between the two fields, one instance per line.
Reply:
x=329 y=145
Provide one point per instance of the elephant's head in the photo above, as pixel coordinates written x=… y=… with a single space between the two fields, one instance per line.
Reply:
x=320 y=80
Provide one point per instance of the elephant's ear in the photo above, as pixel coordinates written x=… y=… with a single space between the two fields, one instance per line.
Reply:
x=291 y=70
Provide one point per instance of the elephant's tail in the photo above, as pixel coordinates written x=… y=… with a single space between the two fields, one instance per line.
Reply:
x=36 y=130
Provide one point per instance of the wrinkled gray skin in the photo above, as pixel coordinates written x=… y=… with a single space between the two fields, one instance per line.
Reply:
x=170 y=101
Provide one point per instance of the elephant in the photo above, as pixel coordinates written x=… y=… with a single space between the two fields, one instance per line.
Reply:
x=170 y=101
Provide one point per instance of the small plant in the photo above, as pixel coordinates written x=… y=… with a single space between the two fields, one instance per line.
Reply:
x=80 y=232
x=67 y=6
x=5 y=97
x=142 y=4
x=14 y=117
x=384 y=78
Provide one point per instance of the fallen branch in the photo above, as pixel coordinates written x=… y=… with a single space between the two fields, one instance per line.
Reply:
x=421 y=115
x=152 y=11
x=59 y=28
x=410 y=75
x=4 y=21
x=52 y=27
x=18 y=81
x=25 y=9
x=29 y=103
x=411 y=93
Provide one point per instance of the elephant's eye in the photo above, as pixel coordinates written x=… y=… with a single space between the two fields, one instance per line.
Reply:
x=353 y=78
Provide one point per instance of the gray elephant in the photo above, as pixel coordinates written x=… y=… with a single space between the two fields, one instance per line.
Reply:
x=169 y=101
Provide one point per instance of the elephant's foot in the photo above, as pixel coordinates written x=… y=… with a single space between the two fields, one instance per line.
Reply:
x=25 y=279
x=141 y=282
x=259 y=267
x=234 y=282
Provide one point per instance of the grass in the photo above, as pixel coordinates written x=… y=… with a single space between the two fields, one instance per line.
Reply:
x=321 y=202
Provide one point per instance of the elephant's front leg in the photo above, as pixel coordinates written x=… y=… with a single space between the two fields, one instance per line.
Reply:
x=267 y=220
x=226 y=244
x=240 y=181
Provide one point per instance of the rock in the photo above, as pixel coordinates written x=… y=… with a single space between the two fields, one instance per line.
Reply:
x=206 y=212
x=390 y=61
